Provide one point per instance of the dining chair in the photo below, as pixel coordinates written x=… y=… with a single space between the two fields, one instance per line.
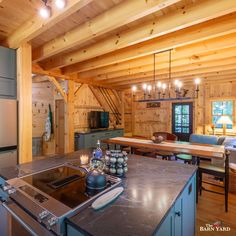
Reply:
x=221 y=172
x=166 y=136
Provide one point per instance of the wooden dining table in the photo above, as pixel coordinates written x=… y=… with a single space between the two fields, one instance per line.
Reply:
x=194 y=149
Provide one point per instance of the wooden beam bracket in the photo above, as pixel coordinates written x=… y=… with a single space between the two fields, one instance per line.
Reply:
x=58 y=87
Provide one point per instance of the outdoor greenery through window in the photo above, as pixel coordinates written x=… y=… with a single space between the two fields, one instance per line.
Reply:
x=220 y=108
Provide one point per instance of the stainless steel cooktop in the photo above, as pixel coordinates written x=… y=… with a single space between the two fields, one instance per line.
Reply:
x=51 y=195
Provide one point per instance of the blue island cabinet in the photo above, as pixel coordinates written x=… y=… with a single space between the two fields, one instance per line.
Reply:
x=180 y=221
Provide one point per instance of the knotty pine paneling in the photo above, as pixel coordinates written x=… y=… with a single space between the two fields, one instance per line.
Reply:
x=143 y=121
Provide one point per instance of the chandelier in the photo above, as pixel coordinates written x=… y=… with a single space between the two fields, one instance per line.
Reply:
x=161 y=91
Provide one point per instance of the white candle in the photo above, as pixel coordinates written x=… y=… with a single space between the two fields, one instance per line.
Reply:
x=84 y=159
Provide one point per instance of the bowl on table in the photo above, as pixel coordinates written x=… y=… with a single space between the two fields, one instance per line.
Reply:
x=157 y=139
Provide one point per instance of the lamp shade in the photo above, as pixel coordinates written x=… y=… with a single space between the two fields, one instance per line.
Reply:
x=225 y=120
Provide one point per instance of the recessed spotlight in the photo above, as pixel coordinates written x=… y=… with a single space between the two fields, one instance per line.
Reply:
x=45 y=11
x=60 y=4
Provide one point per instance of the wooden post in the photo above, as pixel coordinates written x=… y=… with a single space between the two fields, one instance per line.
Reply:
x=24 y=94
x=122 y=104
x=133 y=107
x=69 y=118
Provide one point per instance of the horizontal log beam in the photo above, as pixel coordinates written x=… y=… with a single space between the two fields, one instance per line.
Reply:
x=176 y=20
x=183 y=78
x=210 y=80
x=177 y=60
x=210 y=45
x=178 y=73
x=121 y=14
x=36 y=26
x=207 y=30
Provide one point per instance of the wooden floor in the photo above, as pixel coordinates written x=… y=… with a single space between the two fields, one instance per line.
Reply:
x=210 y=209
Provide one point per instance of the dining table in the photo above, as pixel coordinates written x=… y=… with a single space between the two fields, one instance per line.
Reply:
x=194 y=149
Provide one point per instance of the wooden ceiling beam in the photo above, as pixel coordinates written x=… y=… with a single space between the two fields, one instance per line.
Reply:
x=210 y=45
x=77 y=79
x=36 y=69
x=121 y=14
x=183 y=77
x=177 y=60
x=177 y=73
x=209 y=79
x=36 y=26
x=175 y=20
x=207 y=30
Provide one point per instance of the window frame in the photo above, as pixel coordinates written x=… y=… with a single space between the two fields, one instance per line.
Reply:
x=233 y=111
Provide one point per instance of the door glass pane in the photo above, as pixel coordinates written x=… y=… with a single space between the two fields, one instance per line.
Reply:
x=185 y=109
x=178 y=110
x=178 y=129
x=185 y=130
x=185 y=119
x=178 y=119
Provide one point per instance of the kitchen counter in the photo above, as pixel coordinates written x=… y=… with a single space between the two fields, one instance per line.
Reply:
x=41 y=164
x=151 y=188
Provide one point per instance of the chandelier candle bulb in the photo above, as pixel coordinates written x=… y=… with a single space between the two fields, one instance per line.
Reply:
x=149 y=88
x=197 y=82
x=60 y=4
x=84 y=159
x=179 y=85
x=145 y=90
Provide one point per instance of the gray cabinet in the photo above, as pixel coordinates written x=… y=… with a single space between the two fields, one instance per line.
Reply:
x=89 y=140
x=7 y=73
x=7 y=63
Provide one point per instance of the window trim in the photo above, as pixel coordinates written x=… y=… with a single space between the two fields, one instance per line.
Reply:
x=233 y=113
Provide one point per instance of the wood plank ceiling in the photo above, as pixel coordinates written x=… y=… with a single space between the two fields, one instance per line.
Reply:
x=111 y=42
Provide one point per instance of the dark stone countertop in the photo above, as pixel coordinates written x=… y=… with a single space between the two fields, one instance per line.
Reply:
x=151 y=188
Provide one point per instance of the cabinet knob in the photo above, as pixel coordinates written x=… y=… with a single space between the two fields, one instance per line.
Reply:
x=177 y=213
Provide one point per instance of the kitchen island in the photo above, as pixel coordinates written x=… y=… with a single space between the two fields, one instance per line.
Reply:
x=159 y=198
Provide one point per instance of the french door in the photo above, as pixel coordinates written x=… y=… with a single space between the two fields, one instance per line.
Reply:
x=182 y=120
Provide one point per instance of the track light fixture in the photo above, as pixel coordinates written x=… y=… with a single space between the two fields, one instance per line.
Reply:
x=60 y=4
x=46 y=11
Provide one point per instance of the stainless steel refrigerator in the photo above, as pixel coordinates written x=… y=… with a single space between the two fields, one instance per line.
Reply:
x=8 y=132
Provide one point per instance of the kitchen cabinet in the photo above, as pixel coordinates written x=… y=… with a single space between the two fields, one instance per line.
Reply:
x=89 y=140
x=180 y=221
x=7 y=73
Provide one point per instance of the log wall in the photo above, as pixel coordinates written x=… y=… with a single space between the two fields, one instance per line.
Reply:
x=143 y=121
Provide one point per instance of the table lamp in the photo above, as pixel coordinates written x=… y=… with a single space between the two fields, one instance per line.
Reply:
x=224 y=120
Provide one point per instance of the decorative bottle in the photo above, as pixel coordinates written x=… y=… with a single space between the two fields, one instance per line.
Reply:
x=98 y=150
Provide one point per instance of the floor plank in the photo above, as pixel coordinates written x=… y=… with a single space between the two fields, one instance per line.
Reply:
x=210 y=209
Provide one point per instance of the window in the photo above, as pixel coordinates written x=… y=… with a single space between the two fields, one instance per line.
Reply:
x=220 y=108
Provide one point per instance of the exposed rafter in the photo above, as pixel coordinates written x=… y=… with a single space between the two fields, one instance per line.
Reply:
x=36 y=69
x=217 y=27
x=176 y=20
x=122 y=14
x=38 y=25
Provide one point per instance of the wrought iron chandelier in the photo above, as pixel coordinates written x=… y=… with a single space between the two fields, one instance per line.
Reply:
x=158 y=91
